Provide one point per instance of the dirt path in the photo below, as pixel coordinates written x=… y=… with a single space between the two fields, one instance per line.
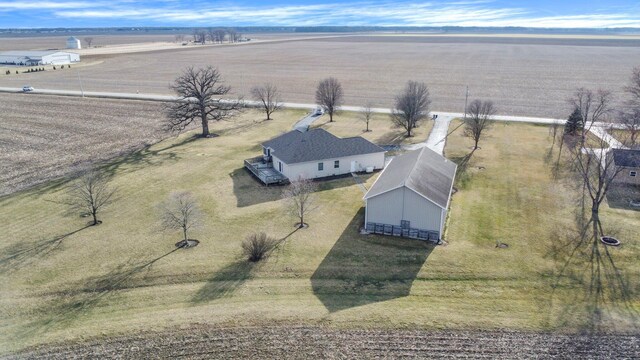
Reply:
x=204 y=342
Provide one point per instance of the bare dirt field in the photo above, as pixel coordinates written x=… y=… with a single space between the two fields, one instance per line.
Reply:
x=205 y=342
x=44 y=137
x=525 y=76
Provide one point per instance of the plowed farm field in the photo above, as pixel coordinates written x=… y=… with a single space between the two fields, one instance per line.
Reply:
x=523 y=76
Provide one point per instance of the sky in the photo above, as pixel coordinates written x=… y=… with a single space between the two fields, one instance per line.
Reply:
x=125 y=13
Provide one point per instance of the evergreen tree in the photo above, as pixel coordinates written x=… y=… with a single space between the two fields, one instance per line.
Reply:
x=574 y=124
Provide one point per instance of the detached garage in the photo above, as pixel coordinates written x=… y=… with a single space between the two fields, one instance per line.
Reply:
x=34 y=58
x=411 y=196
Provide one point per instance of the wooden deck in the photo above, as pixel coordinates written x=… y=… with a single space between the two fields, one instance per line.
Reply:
x=264 y=171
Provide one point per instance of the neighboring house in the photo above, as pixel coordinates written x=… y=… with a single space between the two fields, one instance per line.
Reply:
x=411 y=196
x=628 y=163
x=314 y=154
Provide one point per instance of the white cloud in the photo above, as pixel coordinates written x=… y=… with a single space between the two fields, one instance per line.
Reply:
x=460 y=13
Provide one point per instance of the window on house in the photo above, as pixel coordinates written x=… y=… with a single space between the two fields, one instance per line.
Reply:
x=320 y=166
x=633 y=173
x=336 y=164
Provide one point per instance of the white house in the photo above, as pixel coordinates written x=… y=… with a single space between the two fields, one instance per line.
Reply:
x=73 y=43
x=33 y=58
x=314 y=154
x=411 y=196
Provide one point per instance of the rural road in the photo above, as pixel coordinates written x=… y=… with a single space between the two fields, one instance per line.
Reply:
x=597 y=129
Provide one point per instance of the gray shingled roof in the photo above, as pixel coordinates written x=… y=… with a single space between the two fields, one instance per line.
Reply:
x=317 y=144
x=423 y=171
x=626 y=158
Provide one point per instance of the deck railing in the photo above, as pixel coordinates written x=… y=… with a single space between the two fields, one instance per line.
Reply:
x=264 y=170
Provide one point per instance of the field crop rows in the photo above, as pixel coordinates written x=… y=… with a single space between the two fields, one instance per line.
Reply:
x=44 y=137
x=205 y=342
x=522 y=78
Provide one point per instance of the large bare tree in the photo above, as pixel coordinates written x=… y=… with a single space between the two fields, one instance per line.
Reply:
x=198 y=93
x=179 y=38
x=180 y=212
x=90 y=194
x=88 y=41
x=412 y=106
x=478 y=119
x=269 y=96
x=367 y=114
x=300 y=200
x=329 y=95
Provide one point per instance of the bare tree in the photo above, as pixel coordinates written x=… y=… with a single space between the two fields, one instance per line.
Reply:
x=257 y=246
x=367 y=114
x=629 y=118
x=199 y=36
x=233 y=35
x=596 y=170
x=300 y=200
x=196 y=89
x=180 y=212
x=179 y=37
x=90 y=194
x=220 y=35
x=592 y=106
x=478 y=120
x=633 y=89
x=411 y=106
x=269 y=96
x=329 y=95
x=88 y=41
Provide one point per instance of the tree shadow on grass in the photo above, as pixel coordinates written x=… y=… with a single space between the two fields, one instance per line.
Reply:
x=147 y=156
x=227 y=280
x=462 y=174
x=597 y=294
x=21 y=254
x=69 y=305
x=250 y=191
x=361 y=270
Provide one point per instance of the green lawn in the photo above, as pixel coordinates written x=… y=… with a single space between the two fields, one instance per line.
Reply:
x=125 y=276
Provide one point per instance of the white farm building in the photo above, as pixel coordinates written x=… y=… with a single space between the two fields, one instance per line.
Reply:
x=73 y=43
x=314 y=154
x=34 y=58
x=411 y=196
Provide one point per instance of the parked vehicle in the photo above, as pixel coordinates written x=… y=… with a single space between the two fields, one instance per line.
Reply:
x=319 y=111
x=27 y=88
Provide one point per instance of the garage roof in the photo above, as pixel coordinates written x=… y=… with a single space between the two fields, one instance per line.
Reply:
x=423 y=171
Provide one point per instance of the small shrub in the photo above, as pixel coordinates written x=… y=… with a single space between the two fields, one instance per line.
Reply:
x=257 y=246
x=54 y=68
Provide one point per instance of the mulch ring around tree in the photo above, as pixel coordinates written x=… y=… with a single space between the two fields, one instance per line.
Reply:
x=304 y=225
x=186 y=244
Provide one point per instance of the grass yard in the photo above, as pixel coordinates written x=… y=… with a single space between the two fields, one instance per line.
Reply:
x=63 y=281
x=381 y=130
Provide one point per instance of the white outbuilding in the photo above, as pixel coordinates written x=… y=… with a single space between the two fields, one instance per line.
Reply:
x=34 y=58
x=73 y=43
x=411 y=196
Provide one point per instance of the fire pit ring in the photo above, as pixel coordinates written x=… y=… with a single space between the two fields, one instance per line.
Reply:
x=611 y=241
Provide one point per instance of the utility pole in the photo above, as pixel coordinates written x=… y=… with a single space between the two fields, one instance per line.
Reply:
x=466 y=98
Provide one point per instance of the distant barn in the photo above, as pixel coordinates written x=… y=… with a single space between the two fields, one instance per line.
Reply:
x=34 y=58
